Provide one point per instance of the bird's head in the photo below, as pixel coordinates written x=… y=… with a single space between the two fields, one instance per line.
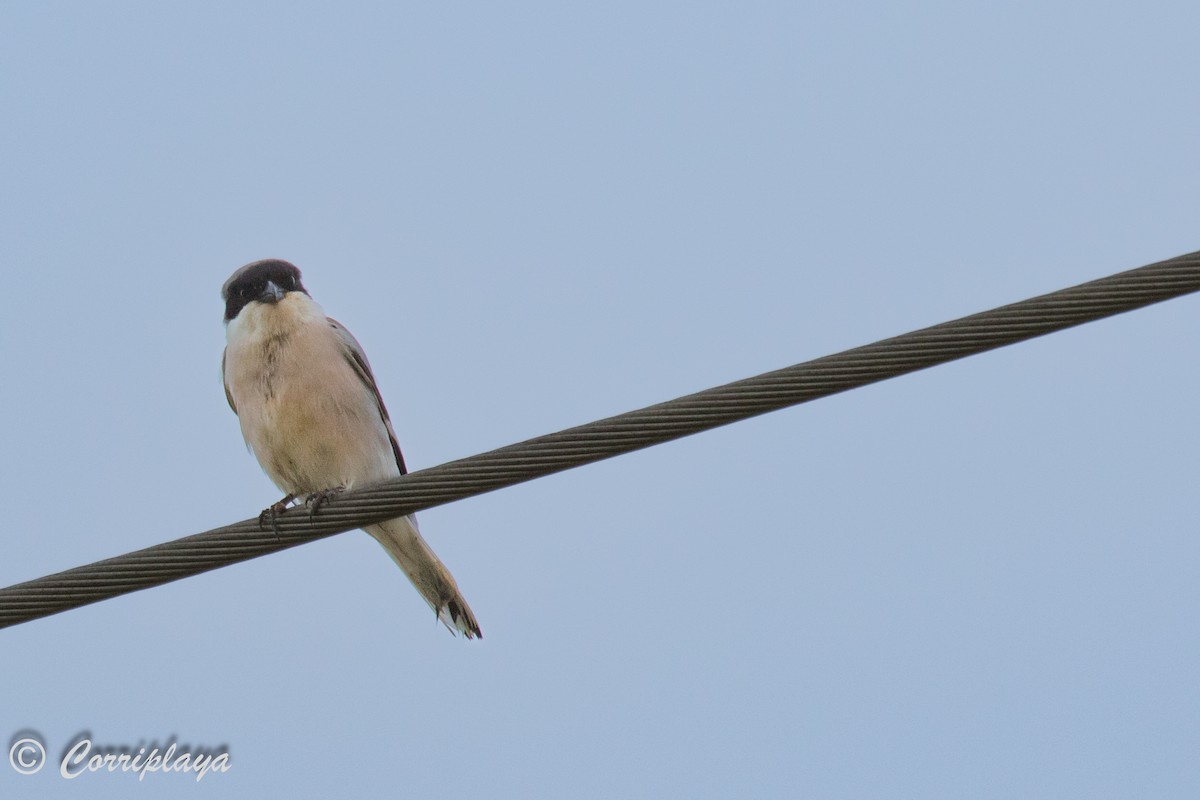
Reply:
x=267 y=282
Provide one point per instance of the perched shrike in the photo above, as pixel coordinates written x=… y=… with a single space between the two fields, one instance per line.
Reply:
x=311 y=413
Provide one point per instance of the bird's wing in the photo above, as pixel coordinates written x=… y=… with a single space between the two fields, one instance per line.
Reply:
x=358 y=360
x=225 y=382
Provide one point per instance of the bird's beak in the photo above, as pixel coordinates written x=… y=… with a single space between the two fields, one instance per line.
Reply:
x=271 y=294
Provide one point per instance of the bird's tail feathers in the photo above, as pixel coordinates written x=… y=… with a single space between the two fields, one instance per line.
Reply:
x=402 y=540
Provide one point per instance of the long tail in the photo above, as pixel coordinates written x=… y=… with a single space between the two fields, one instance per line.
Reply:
x=402 y=540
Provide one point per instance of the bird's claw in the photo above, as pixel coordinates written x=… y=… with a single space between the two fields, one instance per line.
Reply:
x=271 y=513
x=317 y=499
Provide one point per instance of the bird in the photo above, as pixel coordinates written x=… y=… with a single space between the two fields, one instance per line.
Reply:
x=311 y=413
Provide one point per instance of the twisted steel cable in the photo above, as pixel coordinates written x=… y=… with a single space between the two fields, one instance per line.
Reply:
x=605 y=438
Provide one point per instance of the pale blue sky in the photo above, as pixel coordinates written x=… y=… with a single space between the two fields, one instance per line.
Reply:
x=975 y=581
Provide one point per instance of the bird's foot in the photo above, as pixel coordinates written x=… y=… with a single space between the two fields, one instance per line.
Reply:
x=317 y=499
x=271 y=514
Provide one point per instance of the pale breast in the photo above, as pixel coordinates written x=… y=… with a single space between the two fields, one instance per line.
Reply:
x=304 y=412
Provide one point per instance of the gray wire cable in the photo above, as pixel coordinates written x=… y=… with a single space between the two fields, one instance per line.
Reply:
x=605 y=438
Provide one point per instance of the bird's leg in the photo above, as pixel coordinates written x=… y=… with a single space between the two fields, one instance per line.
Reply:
x=317 y=499
x=272 y=513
